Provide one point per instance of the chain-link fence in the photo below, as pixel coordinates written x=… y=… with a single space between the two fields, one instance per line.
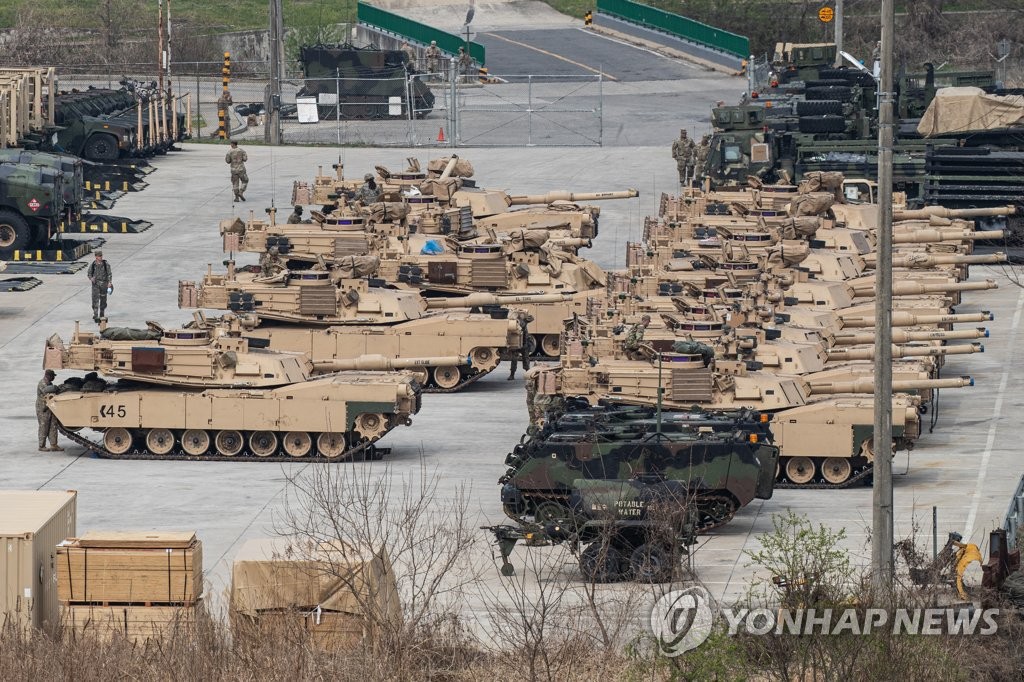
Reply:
x=422 y=109
x=759 y=73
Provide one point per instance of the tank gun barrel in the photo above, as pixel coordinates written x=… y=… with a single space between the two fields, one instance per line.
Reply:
x=905 y=319
x=868 y=385
x=842 y=354
x=943 y=212
x=907 y=336
x=380 y=362
x=930 y=260
x=920 y=288
x=449 y=167
x=562 y=195
x=482 y=299
x=926 y=236
x=571 y=242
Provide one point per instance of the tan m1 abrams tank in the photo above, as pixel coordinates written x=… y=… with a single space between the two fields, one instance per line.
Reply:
x=187 y=394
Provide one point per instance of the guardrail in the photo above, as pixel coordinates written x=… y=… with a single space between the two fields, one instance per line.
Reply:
x=414 y=30
x=680 y=26
x=1015 y=516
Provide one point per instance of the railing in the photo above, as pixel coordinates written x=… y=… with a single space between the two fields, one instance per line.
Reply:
x=676 y=25
x=421 y=33
x=1015 y=516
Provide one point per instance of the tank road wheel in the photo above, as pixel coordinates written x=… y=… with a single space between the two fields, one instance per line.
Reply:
x=549 y=512
x=836 y=470
x=371 y=425
x=331 y=445
x=484 y=359
x=229 y=443
x=117 y=441
x=195 y=442
x=263 y=443
x=447 y=377
x=159 y=441
x=867 y=449
x=297 y=443
x=651 y=563
x=550 y=345
x=800 y=470
x=600 y=562
x=14 y=231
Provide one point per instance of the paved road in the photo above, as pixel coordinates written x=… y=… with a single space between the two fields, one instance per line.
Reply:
x=575 y=51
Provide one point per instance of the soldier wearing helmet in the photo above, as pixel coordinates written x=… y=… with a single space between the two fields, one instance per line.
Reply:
x=369 y=193
x=271 y=263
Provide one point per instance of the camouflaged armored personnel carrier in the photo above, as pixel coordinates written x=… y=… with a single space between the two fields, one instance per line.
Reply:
x=192 y=394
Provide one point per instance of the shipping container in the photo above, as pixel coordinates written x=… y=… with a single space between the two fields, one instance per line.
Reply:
x=32 y=524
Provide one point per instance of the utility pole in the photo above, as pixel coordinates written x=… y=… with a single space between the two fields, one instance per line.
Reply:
x=882 y=516
x=839 y=34
x=272 y=104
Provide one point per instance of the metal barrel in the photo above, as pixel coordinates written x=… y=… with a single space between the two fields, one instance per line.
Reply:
x=906 y=288
x=904 y=319
x=380 y=362
x=867 y=386
x=943 y=212
x=562 y=195
x=482 y=299
x=907 y=336
x=839 y=354
x=929 y=235
x=929 y=260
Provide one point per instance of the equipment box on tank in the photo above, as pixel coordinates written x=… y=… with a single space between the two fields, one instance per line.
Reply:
x=32 y=524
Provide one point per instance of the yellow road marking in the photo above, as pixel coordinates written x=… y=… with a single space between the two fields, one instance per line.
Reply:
x=552 y=54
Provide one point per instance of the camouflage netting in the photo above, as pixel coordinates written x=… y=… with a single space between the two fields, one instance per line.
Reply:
x=526 y=240
x=822 y=181
x=152 y=333
x=959 y=110
x=813 y=204
x=353 y=267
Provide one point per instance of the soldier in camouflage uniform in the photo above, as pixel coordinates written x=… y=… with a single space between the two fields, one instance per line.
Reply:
x=532 y=381
x=47 y=422
x=271 y=262
x=683 y=152
x=410 y=54
x=465 y=62
x=369 y=192
x=433 y=55
x=296 y=217
x=239 y=178
x=524 y=319
x=703 y=149
x=102 y=281
x=635 y=337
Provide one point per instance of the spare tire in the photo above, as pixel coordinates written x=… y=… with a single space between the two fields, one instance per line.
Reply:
x=819 y=108
x=822 y=124
x=842 y=93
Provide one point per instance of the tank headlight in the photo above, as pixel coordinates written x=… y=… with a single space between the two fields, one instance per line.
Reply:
x=752 y=438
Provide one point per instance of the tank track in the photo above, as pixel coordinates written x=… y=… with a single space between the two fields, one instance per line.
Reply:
x=459 y=386
x=523 y=520
x=364 y=448
x=782 y=484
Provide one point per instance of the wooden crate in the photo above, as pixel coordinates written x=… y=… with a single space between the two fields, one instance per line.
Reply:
x=328 y=631
x=130 y=569
x=136 y=623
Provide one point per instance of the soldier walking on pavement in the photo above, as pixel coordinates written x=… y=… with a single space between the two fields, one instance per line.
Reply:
x=523 y=318
x=47 y=422
x=635 y=337
x=465 y=62
x=683 y=153
x=102 y=284
x=239 y=178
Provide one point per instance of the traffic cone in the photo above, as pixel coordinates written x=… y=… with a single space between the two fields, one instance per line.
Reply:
x=440 y=134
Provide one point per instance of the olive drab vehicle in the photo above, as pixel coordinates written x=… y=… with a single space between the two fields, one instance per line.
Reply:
x=32 y=204
x=199 y=394
x=725 y=459
x=362 y=83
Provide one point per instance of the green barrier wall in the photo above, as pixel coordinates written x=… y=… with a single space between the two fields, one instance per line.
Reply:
x=413 y=30
x=676 y=25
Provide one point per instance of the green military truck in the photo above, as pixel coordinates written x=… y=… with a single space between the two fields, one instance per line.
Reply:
x=32 y=205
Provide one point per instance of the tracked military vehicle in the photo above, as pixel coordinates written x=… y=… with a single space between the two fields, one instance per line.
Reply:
x=189 y=394
x=362 y=83
x=726 y=460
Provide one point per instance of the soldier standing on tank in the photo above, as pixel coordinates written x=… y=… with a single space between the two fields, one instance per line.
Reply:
x=47 y=422
x=683 y=152
x=102 y=284
x=635 y=337
x=271 y=263
x=433 y=55
x=524 y=319
x=236 y=158
x=296 y=217
x=369 y=192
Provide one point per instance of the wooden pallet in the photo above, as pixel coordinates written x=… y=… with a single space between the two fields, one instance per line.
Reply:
x=136 y=623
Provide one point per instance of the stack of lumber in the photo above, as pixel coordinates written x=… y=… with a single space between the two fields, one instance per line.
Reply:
x=140 y=585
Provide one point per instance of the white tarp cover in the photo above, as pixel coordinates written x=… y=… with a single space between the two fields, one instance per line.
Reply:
x=961 y=110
